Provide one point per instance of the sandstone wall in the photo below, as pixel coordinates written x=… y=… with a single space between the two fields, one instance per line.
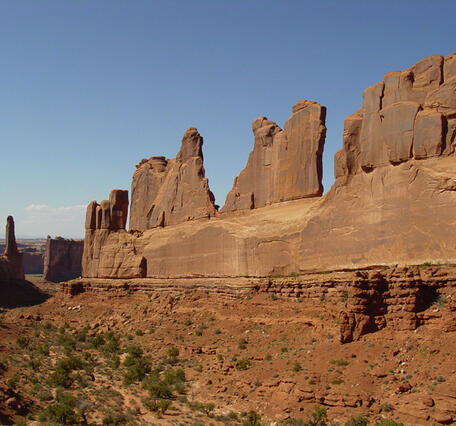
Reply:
x=62 y=259
x=166 y=192
x=393 y=201
x=410 y=114
x=284 y=164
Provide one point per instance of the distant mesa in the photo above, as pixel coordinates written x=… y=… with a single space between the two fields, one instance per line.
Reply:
x=62 y=259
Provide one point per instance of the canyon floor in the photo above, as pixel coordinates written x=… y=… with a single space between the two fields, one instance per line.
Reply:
x=196 y=359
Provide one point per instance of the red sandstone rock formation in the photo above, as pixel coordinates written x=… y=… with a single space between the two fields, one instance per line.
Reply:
x=11 y=261
x=284 y=164
x=410 y=114
x=62 y=259
x=166 y=192
x=394 y=199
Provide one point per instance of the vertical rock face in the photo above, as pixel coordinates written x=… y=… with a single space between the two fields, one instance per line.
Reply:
x=11 y=263
x=166 y=192
x=284 y=164
x=10 y=238
x=410 y=114
x=62 y=259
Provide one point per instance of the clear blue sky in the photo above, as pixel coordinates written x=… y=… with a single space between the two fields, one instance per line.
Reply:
x=88 y=88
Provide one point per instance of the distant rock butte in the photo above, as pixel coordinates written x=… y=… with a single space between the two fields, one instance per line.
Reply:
x=284 y=164
x=62 y=259
x=393 y=201
x=11 y=262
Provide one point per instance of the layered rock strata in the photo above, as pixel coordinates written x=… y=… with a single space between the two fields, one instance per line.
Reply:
x=62 y=259
x=284 y=164
x=363 y=301
x=393 y=201
x=170 y=191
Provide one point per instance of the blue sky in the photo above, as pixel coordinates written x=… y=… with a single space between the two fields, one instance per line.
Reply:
x=89 y=88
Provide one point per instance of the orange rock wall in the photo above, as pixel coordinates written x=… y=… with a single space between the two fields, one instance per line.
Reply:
x=393 y=201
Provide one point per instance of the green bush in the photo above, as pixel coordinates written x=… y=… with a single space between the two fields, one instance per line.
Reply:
x=157 y=405
x=297 y=367
x=357 y=421
x=252 y=419
x=386 y=422
x=243 y=364
x=137 y=369
x=318 y=417
x=115 y=419
x=22 y=342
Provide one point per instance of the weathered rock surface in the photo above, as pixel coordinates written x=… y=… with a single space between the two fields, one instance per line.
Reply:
x=410 y=114
x=393 y=201
x=167 y=192
x=11 y=262
x=284 y=164
x=399 y=297
x=62 y=259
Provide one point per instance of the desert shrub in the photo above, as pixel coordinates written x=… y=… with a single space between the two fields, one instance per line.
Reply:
x=173 y=352
x=22 y=342
x=158 y=389
x=60 y=377
x=112 y=344
x=157 y=405
x=67 y=342
x=62 y=411
x=387 y=408
x=297 y=367
x=12 y=382
x=337 y=381
x=386 y=422
x=43 y=350
x=174 y=376
x=71 y=363
x=339 y=362
x=115 y=419
x=243 y=364
x=81 y=335
x=318 y=417
x=137 y=369
x=357 y=421
x=96 y=341
x=252 y=418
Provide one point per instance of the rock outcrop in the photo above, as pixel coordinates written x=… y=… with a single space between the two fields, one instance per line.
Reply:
x=62 y=259
x=284 y=164
x=11 y=262
x=393 y=202
x=411 y=114
x=171 y=191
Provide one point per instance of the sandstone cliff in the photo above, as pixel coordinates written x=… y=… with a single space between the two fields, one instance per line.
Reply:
x=11 y=262
x=393 y=201
x=62 y=259
x=166 y=192
x=284 y=164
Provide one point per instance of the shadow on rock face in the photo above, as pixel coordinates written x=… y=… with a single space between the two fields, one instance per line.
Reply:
x=19 y=293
